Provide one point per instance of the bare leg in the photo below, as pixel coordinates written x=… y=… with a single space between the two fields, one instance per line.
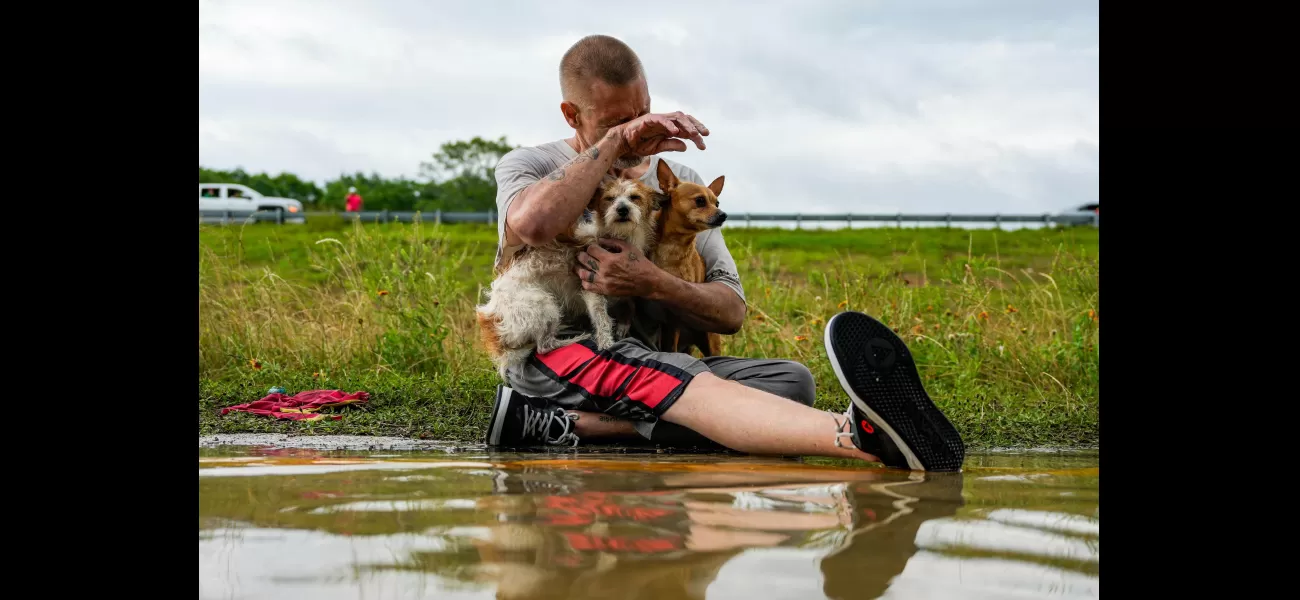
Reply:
x=756 y=422
x=600 y=425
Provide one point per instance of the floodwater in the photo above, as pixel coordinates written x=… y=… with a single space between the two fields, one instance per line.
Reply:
x=304 y=523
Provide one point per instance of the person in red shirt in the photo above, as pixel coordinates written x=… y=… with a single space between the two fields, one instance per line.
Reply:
x=353 y=200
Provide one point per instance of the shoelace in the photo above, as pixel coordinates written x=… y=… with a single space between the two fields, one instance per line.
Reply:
x=537 y=423
x=845 y=429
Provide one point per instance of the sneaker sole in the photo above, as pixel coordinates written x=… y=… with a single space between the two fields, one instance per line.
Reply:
x=498 y=415
x=897 y=395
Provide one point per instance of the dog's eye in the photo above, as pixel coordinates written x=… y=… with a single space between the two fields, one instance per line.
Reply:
x=699 y=201
x=636 y=198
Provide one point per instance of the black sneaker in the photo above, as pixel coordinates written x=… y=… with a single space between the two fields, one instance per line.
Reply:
x=519 y=421
x=890 y=417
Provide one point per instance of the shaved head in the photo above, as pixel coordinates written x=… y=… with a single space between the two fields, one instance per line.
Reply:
x=596 y=58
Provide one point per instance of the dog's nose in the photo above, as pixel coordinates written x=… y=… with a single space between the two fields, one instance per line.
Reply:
x=719 y=219
x=622 y=211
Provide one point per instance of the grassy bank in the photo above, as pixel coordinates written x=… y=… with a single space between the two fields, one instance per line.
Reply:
x=1003 y=324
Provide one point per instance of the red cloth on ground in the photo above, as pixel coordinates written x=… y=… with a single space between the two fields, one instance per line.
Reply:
x=302 y=406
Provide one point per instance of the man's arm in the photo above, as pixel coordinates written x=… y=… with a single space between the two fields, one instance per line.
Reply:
x=709 y=306
x=544 y=209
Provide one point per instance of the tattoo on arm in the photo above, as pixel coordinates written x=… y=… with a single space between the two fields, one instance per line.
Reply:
x=589 y=154
x=607 y=419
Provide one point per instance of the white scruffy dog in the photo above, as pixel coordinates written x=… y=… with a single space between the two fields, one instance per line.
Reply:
x=538 y=291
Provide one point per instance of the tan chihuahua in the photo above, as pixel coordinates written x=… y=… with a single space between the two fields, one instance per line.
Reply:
x=688 y=210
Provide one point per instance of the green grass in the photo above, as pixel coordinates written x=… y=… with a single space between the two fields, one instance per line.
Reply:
x=1003 y=324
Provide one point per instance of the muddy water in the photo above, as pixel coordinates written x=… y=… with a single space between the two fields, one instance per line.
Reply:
x=302 y=523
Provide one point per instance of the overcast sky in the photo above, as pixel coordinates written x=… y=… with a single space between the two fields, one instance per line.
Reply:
x=901 y=105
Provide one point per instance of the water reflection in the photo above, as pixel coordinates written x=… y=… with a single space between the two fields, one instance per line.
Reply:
x=321 y=525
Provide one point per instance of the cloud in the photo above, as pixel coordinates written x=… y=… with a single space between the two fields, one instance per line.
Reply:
x=925 y=106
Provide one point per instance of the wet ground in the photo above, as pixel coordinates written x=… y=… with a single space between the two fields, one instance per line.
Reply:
x=286 y=522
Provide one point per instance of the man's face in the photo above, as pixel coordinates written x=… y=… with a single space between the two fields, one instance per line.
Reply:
x=608 y=106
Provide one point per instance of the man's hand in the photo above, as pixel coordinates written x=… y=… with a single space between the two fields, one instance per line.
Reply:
x=655 y=133
x=625 y=271
x=705 y=306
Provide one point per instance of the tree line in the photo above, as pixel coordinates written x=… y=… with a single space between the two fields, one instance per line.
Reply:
x=461 y=176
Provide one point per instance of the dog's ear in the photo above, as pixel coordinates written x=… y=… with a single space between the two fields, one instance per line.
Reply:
x=716 y=186
x=667 y=181
x=594 y=203
x=658 y=201
x=604 y=184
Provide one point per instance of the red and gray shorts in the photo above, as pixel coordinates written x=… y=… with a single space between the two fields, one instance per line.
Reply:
x=631 y=381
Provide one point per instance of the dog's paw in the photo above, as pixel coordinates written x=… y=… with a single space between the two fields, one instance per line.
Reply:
x=557 y=343
x=622 y=329
x=575 y=339
x=604 y=340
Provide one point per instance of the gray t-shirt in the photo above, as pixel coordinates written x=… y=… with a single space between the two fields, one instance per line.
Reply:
x=522 y=167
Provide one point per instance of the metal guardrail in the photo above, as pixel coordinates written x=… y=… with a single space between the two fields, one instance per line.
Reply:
x=229 y=217
x=489 y=217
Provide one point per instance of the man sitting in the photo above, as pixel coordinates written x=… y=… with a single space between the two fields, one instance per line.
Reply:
x=632 y=388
